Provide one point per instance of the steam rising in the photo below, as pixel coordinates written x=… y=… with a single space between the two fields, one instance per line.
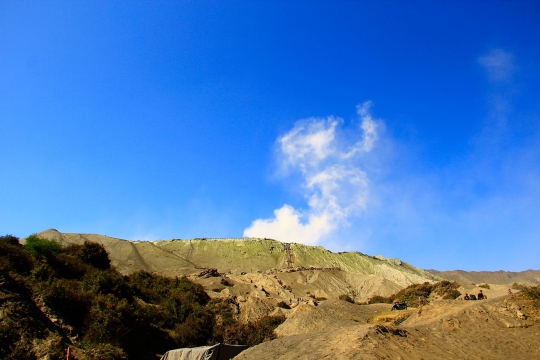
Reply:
x=333 y=184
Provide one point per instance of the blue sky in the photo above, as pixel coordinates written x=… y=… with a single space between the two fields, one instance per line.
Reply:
x=408 y=129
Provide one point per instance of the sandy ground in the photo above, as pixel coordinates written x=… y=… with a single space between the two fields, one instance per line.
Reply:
x=446 y=329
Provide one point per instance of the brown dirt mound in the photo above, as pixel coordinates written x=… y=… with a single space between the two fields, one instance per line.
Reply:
x=445 y=329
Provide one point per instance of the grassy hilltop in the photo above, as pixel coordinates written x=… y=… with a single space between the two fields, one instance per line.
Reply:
x=239 y=255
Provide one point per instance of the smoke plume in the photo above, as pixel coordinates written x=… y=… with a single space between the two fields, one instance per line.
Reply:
x=328 y=159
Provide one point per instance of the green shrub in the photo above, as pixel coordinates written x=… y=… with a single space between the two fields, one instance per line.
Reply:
x=195 y=330
x=108 y=321
x=253 y=333
x=93 y=254
x=446 y=289
x=485 y=286
x=67 y=301
x=69 y=267
x=42 y=272
x=531 y=293
x=452 y=294
x=107 y=282
x=411 y=293
x=42 y=248
x=378 y=299
x=176 y=309
x=155 y=288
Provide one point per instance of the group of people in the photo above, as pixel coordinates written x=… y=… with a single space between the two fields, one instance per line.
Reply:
x=480 y=296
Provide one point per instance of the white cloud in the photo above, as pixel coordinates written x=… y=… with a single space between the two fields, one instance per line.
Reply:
x=499 y=65
x=334 y=185
x=309 y=142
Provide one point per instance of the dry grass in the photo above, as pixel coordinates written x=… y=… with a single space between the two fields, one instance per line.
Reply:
x=390 y=317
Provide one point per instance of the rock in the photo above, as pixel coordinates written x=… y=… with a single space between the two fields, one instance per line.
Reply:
x=209 y=273
x=521 y=315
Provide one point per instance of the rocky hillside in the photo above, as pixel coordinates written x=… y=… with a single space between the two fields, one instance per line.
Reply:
x=250 y=255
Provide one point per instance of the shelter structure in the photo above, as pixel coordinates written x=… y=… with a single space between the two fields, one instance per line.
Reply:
x=214 y=352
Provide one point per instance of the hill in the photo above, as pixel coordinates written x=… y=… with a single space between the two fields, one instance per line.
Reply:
x=490 y=277
x=295 y=301
x=52 y=297
x=237 y=255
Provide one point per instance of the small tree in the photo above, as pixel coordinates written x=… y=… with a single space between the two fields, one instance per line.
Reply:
x=42 y=248
x=95 y=254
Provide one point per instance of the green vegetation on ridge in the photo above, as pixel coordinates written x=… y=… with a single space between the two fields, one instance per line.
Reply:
x=445 y=289
x=242 y=255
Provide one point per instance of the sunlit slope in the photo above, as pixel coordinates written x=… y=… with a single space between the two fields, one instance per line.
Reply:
x=531 y=277
x=239 y=255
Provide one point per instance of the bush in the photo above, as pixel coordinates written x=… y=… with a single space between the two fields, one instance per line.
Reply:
x=485 y=286
x=57 y=349
x=22 y=351
x=195 y=330
x=13 y=257
x=283 y=304
x=43 y=272
x=411 y=293
x=155 y=288
x=90 y=253
x=378 y=299
x=108 y=321
x=253 y=333
x=42 y=248
x=105 y=351
x=531 y=293
x=107 y=282
x=177 y=309
x=446 y=289
x=8 y=337
x=9 y=240
x=346 y=298
x=67 y=301
x=518 y=286
x=69 y=267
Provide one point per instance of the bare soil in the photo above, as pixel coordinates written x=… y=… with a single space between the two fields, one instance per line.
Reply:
x=446 y=329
